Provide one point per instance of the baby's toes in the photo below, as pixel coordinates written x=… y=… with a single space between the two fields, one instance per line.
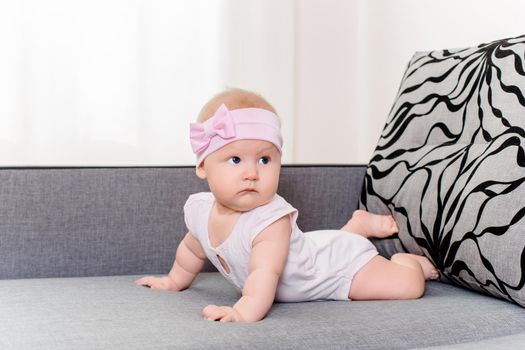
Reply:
x=393 y=224
x=389 y=225
x=396 y=227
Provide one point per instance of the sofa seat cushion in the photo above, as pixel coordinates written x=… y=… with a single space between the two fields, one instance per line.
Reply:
x=114 y=313
x=450 y=165
x=514 y=341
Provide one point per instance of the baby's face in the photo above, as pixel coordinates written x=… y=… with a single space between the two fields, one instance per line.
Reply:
x=244 y=174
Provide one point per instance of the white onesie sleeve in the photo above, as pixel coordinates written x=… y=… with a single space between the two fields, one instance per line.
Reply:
x=265 y=215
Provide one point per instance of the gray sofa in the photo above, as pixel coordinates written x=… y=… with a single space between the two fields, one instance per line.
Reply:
x=73 y=240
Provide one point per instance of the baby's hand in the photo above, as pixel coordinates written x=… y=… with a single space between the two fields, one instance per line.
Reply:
x=158 y=283
x=221 y=313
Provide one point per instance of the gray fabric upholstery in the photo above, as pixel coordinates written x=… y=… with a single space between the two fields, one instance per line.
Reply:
x=113 y=313
x=509 y=342
x=60 y=222
x=115 y=222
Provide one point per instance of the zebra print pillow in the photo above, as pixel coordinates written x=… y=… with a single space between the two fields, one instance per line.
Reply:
x=450 y=165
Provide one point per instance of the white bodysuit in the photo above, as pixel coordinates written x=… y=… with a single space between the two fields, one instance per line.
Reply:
x=320 y=265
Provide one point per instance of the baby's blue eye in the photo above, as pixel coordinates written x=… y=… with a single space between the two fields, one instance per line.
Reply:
x=234 y=160
x=264 y=160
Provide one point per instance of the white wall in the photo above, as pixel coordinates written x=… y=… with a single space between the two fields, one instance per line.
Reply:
x=122 y=92
x=258 y=55
x=326 y=66
x=351 y=56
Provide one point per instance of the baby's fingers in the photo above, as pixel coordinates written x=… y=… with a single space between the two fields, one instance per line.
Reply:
x=227 y=318
x=212 y=313
x=145 y=281
x=142 y=281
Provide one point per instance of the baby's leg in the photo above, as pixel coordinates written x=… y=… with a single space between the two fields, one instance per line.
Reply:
x=402 y=277
x=371 y=225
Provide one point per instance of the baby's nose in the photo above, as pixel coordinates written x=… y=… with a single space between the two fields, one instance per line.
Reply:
x=251 y=173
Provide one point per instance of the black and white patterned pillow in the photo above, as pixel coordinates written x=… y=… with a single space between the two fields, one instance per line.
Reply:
x=450 y=165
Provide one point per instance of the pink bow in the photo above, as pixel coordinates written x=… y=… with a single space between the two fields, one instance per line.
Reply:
x=222 y=125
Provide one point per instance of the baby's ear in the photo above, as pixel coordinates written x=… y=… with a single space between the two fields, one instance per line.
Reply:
x=200 y=172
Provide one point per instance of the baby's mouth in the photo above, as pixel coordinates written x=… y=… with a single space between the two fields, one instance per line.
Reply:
x=248 y=190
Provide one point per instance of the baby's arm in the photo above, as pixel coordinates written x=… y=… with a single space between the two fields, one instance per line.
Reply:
x=267 y=261
x=189 y=260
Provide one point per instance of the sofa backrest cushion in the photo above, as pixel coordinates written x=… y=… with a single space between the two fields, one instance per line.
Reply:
x=450 y=165
x=65 y=222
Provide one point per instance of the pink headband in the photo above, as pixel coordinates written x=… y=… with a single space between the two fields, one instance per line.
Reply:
x=239 y=124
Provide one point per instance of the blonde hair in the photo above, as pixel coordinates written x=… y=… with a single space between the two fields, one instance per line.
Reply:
x=233 y=98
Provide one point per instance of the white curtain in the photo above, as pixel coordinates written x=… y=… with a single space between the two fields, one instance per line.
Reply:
x=116 y=82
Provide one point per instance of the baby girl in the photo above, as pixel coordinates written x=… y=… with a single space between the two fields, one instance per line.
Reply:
x=250 y=233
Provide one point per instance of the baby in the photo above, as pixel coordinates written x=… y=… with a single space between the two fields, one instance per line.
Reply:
x=250 y=233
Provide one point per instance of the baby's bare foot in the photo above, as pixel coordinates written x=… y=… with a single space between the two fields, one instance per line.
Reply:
x=371 y=225
x=429 y=270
